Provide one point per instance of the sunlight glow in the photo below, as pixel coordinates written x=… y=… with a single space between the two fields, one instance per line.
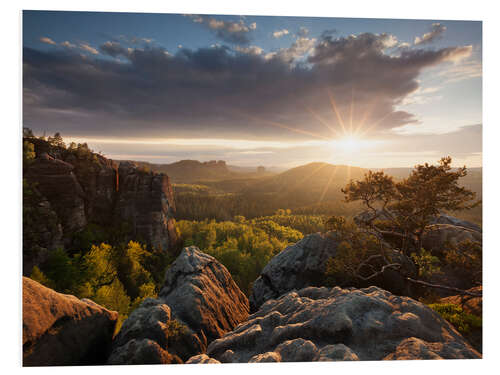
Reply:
x=350 y=144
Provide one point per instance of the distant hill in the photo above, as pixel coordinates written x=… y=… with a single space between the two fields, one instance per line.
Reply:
x=312 y=177
x=194 y=171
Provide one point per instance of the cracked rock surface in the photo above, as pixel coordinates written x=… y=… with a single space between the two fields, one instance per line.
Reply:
x=322 y=324
x=198 y=303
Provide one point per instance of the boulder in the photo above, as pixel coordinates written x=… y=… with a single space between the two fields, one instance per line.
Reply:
x=62 y=330
x=299 y=265
x=365 y=216
x=437 y=236
x=198 y=303
x=203 y=295
x=447 y=219
x=201 y=358
x=151 y=329
x=322 y=324
x=304 y=264
x=141 y=352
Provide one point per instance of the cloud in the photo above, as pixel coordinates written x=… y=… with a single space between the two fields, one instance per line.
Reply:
x=113 y=49
x=279 y=33
x=228 y=31
x=240 y=92
x=67 y=44
x=303 y=31
x=299 y=48
x=437 y=30
x=254 y=50
x=47 y=40
x=86 y=47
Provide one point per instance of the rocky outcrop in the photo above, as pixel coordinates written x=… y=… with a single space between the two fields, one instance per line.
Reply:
x=198 y=303
x=470 y=304
x=437 y=237
x=299 y=265
x=304 y=263
x=474 y=306
x=447 y=219
x=55 y=181
x=78 y=187
x=321 y=324
x=60 y=329
x=145 y=200
x=365 y=216
x=203 y=294
x=42 y=230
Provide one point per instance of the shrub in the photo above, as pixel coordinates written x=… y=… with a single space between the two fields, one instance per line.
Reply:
x=462 y=321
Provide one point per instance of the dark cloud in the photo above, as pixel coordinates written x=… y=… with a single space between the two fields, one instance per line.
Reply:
x=437 y=31
x=219 y=92
x=113 y=49
x=227 y=31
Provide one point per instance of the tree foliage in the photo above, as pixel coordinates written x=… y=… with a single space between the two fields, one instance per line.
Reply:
x=408 y=206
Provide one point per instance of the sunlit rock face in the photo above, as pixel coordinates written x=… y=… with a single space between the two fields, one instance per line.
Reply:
x=199 y=302
x=62 y=330
x=74 y=189
x=322 y=324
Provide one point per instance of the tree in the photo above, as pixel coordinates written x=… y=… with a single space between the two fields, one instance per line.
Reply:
x=404 y=209
x=28 y=133
x=28 y=152
x=408 y=206
x=56 y=140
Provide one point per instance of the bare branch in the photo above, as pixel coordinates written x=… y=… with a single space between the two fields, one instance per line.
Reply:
x=438 y=286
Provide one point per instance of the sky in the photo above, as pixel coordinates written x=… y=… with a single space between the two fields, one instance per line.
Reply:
x=256 y=90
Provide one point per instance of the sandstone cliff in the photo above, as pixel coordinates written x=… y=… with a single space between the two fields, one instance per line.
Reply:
x=75 y=187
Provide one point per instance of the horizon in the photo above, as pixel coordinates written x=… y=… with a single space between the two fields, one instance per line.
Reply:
x=256 y=90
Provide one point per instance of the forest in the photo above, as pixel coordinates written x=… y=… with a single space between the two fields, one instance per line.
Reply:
x=242 y=222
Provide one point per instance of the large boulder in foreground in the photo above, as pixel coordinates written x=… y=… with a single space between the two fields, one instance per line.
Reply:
x=198 y=303
x=321 y=324
x=62 y=330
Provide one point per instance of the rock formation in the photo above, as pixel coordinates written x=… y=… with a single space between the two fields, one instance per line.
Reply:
x=60 y=329
x=78 y=187
x=321 y=324
x=198 y=303
x=299 y=265
x=441 y=219
x=146 y=201
x=304 y=264
x=437 y=236
x=55 y=180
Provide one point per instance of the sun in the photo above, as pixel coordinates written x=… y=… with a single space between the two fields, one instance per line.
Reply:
x=348 y=143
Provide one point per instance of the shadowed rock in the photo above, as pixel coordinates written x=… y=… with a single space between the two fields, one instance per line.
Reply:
x=60 y=329
x=322 y=324
x=437 y=236
x=198 y=303
x=202 y=294
x=299 y=265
